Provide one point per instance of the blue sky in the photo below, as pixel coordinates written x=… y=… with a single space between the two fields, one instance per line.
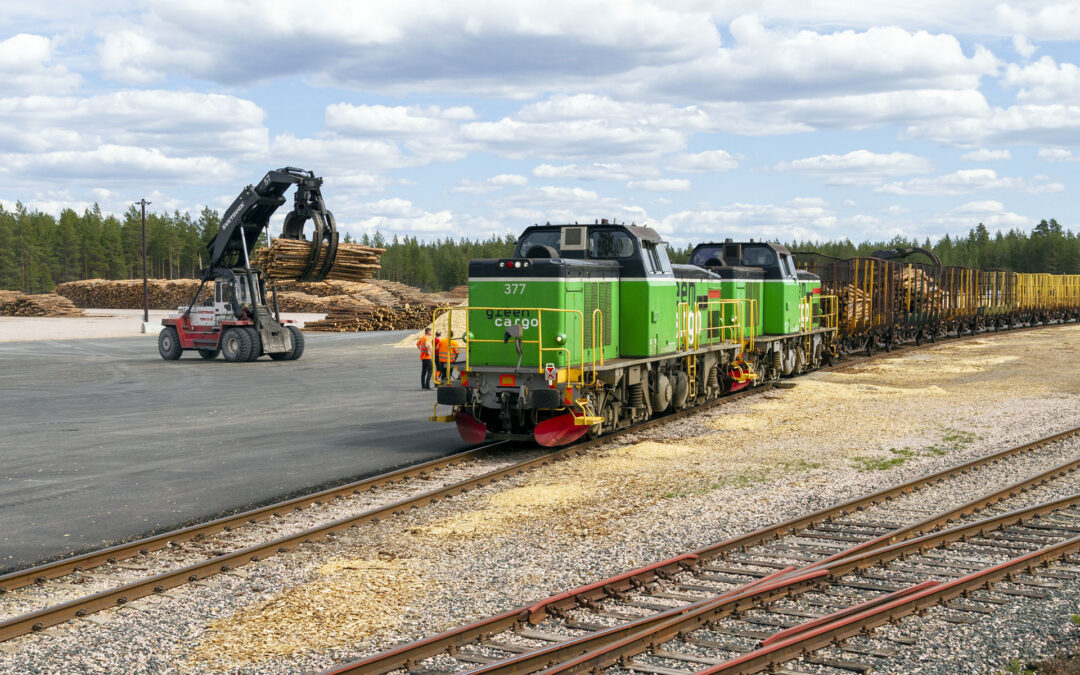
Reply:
x=776 y=119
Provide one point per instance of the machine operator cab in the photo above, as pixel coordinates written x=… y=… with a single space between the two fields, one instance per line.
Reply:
x=637 y=250
x=764 y=272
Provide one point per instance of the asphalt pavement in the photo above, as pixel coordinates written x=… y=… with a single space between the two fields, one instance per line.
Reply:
x=102 y=441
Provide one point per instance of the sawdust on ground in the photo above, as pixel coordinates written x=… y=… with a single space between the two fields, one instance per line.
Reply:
x=347 y=601
x=934 y=400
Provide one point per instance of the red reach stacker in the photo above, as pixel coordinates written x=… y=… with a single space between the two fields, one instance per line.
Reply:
x=238 y=323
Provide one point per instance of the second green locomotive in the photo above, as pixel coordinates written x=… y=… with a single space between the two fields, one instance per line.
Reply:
x=589 y=328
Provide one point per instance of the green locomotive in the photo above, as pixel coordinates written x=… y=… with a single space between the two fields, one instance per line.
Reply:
x=589 y=328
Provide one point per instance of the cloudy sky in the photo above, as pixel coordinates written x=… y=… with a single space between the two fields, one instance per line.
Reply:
x=774 y=118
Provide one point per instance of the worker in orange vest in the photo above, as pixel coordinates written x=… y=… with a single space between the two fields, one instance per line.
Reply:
x=424 y=345
x=447 y=349
x=439 y=345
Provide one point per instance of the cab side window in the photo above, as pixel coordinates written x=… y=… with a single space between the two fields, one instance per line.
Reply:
x=652 y=258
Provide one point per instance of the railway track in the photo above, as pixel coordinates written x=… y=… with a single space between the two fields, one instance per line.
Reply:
x=51 y=594
x=56 y=590
x=642 y=603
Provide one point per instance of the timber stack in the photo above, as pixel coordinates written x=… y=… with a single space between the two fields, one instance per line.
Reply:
x=916 y=290
x=855 y=304
x=351 y=315
x=286 y=259
x=128 y=293
x=15 y=303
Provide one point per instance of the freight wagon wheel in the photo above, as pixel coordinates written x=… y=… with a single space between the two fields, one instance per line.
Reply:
x=235 y=344
x=297 y=343
x=209 y=353
x=256 y=343
x=168 y=344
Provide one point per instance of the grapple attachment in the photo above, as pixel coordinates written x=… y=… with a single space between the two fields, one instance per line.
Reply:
x=308 y=205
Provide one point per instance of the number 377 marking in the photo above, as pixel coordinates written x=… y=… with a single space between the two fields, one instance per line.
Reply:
x=515 y=289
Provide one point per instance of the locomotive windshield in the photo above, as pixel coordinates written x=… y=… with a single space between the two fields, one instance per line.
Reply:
x=609 y=244
x=602 y=244
x=538 y=239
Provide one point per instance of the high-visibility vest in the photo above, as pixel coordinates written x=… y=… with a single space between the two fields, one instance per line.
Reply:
x=424 y=345
x=441 y=349
x=455 y=348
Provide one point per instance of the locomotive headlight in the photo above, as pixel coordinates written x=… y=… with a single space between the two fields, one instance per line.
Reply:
x=526 y=263
x=560 y=338
x=517 y=264
x=502 y=264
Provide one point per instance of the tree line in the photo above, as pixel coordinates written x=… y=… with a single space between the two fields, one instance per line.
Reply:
x=38 y=251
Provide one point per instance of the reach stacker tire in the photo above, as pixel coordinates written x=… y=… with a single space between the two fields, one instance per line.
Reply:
x=235 y=344
x=209 y=353
x=297 y=343
x=168 y=344
x=256 y=344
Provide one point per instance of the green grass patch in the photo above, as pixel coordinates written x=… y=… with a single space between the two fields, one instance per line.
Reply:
x=951 y=440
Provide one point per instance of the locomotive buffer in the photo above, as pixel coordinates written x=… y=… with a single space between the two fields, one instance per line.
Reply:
x=238 y=322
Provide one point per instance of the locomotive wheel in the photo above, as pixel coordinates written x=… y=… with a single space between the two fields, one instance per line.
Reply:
x=297 y=343
x=235 y=344
x=209 y=353
x=256 y=343
x=168 y=344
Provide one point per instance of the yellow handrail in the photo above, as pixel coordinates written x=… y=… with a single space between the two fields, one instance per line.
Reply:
x=575 y=375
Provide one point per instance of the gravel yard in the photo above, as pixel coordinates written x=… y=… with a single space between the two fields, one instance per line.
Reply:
x=645 y=497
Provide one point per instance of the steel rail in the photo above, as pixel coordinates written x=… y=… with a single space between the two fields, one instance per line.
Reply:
x=843 y=627
x=59 y=613
x=120 y=595
x=66 y=566
x=610 y=652
x=538 y=611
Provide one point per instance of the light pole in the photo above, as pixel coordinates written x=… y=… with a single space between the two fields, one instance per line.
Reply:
x=145 y=286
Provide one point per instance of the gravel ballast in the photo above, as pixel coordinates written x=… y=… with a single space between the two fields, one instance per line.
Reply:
x=646 y=497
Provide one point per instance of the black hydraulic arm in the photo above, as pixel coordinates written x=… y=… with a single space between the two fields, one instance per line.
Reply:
x=249 y=215
x=889 y=254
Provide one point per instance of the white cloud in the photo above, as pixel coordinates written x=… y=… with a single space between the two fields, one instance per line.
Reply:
x=784 y=64
x=397 y=121
x=858 y=167
x=968 y=181
x=1057 y=155
x=991 y=213
x=1044 y=81
x=1023 y=46
x=509 y=179
x=660 y=185
x=594 y=171
x=25 y=67
x=1031 y=124
x=115 y=162
x=578 y=138
x=406 y=45
x=172 y=121
x=985 y=155
x=491 y=184
x=1049 y=21
x=550 y=203
x=775 y=222
x=709 y=161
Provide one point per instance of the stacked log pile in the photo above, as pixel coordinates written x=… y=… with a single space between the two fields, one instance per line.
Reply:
x=287 y=258
x=916 y=290
x=354 y=315
x=855 y=304
x=128 y=293
x=14 y=303
x=349 y=305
